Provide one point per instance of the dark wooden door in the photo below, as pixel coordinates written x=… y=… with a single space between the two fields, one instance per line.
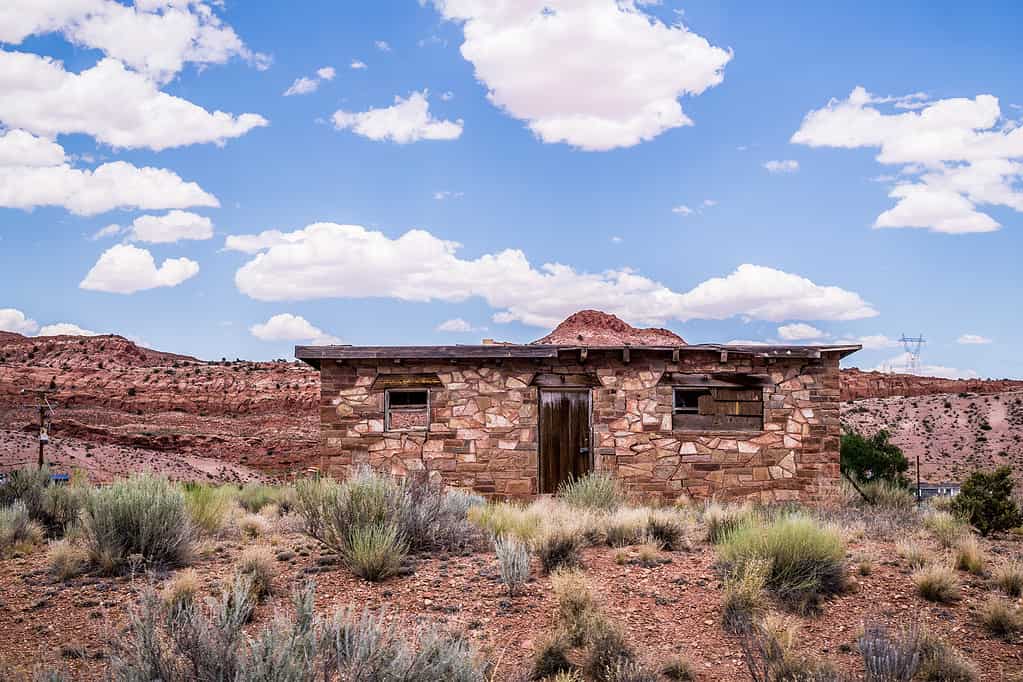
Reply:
x=564 y=437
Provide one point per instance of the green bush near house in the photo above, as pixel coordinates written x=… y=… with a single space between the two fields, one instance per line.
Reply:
x=985 y=501
x=873 y=458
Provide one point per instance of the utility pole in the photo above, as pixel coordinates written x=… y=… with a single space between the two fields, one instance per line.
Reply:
x=44 y=407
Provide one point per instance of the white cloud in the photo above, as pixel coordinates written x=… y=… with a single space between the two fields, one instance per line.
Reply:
x=108 y=231
x=955 y=154
x=326 y=73
x=326 y=260
x=125 y=269
x=89 y=191
x=356 y=64
x=594 y=74
x=154 y=38
x=682 y=209
x=13 y=320
x=799 y=331
x=900 y=364
x=382 y=45
x=302 y=86
x=447 y=96
x=875 y=341
x=973 y=339
x=288 y=327
x=65 y=329
x=785 y=166
x=171 y=227
x=408 y=120
x=445 y=194
x=116 y=106
x=708 y=203
x=456 y=325
x=20 y=148
x=616 y=239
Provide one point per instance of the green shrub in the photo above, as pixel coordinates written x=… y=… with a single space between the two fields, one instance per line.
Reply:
x=889 y=494
x=985 y=501
x=1009 y=577
x=17 y=529
x=374 y=551
x=513 y=562
x=27 y=484
x=743 y=601
x=937 y=582
x=873 y=459
x=254 y=496
x=145 y=516
x=806 y=559
x=208 y=506
x=506 y=519
x=595 y=490
x=559 y=547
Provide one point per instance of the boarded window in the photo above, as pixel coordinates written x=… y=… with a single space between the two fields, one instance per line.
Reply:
x=408 y=410
x=718 y=409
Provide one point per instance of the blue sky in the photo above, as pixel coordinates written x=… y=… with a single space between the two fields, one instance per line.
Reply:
x=554 y=133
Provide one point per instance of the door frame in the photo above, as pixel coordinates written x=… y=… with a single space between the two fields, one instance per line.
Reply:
x=539 y=425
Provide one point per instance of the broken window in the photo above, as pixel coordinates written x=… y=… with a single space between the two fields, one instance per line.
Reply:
x=407 y=409
x=717 y=409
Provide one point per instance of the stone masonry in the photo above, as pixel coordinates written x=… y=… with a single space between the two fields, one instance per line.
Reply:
x=484 y=415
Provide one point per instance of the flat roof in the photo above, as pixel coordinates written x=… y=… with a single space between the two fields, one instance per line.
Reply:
x=314 y=354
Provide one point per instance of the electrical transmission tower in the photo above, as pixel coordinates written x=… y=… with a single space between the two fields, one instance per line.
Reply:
x=913 y=345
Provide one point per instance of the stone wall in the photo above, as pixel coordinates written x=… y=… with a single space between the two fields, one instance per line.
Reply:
x=483 y=425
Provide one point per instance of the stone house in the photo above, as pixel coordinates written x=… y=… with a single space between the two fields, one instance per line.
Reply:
x=731 y=421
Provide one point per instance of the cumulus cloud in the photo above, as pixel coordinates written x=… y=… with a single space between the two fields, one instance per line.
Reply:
x=455 y=325
x=875 y=341
x=408 y=120
x=327 y=260
x=799 y=331
x=125 y=269
x=302 y=86
x=326 y=73
x=786 y=166
x=116 y=106
x=973 y=340
x=65 y=329
x=594 y=74
x=955 y=155
x=288 y=327
x=682 y=209
x=356 y=64
x=171 y=227
x=33 y=173
x=153 y=37
x=447 y=194
x=382 y=45
x=13 y=320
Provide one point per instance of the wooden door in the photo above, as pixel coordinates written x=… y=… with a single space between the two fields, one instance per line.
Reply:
x=564 y=437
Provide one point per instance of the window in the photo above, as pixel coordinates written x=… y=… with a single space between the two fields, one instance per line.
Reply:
x=407 y=409
x=717 y=408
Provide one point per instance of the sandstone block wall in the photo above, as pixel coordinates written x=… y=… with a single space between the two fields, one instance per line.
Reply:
x=484 y=415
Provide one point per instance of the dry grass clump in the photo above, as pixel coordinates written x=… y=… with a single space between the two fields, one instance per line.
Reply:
x=940 y=662
x=805 y=559
x=559 y=547
x=722 y=519
x=595 y=490
x=743 y=602
x=669 y=529
x=946 y=528
x=550 y=657
x=937 y=582
x=18 y=532
x=915 y=555
x=181 y=591
x=610 y=658
x=1001 y=618
x=626 y=526
x=969 y=555
x=254 y=496
x=678 y=669
x=506 y=519
x=769 y=648
x=887 y=658
x=864 y=565
x=253 y=526
x=648 y=554
x=257 y=563
x=1008 y=576
x=67 y=560
x=512 y=561
x=578 y=613
x=374 y=552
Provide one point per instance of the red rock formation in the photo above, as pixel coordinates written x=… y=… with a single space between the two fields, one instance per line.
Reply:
x=595 y=328
x=857 y=385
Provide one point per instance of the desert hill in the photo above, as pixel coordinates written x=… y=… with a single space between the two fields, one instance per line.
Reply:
x=122 y=407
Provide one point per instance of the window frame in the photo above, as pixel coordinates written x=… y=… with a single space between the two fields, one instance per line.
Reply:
x=388 y=409
x=675 y=409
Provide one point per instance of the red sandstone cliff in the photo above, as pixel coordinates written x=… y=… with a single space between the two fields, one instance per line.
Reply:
x=857 y=385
